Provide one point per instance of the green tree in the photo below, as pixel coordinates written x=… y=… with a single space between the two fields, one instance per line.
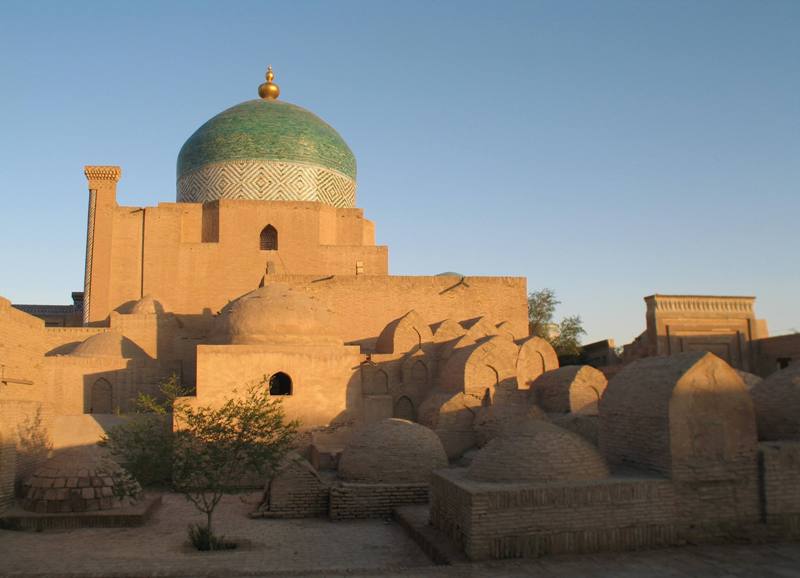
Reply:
x=564 y=336
x=568 y=341
x=541 y=310
x=143 y=443
x=214 y=449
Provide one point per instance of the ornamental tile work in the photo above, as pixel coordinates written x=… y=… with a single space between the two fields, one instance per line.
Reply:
x=264 y=180
x=266 y=130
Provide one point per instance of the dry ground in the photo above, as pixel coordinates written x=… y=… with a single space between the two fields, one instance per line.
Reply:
x=323 y=548
x=159 y=548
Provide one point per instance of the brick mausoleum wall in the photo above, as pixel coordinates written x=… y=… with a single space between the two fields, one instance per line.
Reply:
x=219 y=244
x=25 y=408
x=780 y=470
x=362 y=305
x=348 y=501
x=517 y=520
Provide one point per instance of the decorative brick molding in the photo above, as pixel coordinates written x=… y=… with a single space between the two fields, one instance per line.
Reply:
x=699 y=304
x=87 y=277
x=102 y=173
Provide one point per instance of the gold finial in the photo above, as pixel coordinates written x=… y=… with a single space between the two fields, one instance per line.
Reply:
x=269 y=90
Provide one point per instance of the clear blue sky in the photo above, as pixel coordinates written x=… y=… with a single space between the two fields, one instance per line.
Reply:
x=607 y=150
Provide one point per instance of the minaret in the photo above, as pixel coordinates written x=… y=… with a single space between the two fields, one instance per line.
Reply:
x=102 y=202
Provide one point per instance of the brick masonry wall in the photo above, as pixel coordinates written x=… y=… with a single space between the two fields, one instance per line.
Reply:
x=350 y=501
x=164 y=250
x=25 y=399
x=725 y=494
x=296 y=492
x=516 y=520
x=451 y=507
x=769 y=350
x=780 y=471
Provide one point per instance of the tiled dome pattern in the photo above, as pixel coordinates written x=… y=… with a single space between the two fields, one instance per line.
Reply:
x=267 y=150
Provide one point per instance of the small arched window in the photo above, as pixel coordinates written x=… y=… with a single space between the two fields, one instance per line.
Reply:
x=269 y=239
x=280 y=384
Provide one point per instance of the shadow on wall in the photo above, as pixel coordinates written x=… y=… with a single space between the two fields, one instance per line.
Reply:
x=34 y=445
x=115 y=391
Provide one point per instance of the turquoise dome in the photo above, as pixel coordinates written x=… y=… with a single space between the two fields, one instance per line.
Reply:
x=266 y=150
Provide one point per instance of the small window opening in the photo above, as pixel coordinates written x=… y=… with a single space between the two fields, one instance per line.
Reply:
x=280 y=384
x=269 y=238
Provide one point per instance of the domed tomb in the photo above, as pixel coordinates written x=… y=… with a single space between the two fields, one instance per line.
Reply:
x=392 y=451
x=537 y=451
x=777 y=404
x=148 y=305
x=269 y=150
x=573 y=388
x=77 y=481
x=492 y=420
x=109 y=344
x=685 y=416
x=451 y=417
x=275 y=314
x=750 y=380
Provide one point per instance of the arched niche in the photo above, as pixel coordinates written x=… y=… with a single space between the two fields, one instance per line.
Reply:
x=100 y=397
x=268 y=240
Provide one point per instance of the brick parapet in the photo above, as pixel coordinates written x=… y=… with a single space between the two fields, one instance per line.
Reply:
x=352 y=501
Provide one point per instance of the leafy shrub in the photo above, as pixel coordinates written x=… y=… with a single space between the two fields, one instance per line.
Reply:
x=143 y=444
x=215 y=448
x=209 y=451
x=203 y=539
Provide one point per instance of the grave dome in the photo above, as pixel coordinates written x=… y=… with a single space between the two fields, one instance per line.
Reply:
x=109 y=344
x=537 y=451
x=275 y=313
x=78 y=481
x=392 y=451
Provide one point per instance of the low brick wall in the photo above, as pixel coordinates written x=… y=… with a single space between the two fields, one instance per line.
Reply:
x=780 y=485
x=129 y=516
x=518 y=520
x=350 y=501
x=300 y=497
